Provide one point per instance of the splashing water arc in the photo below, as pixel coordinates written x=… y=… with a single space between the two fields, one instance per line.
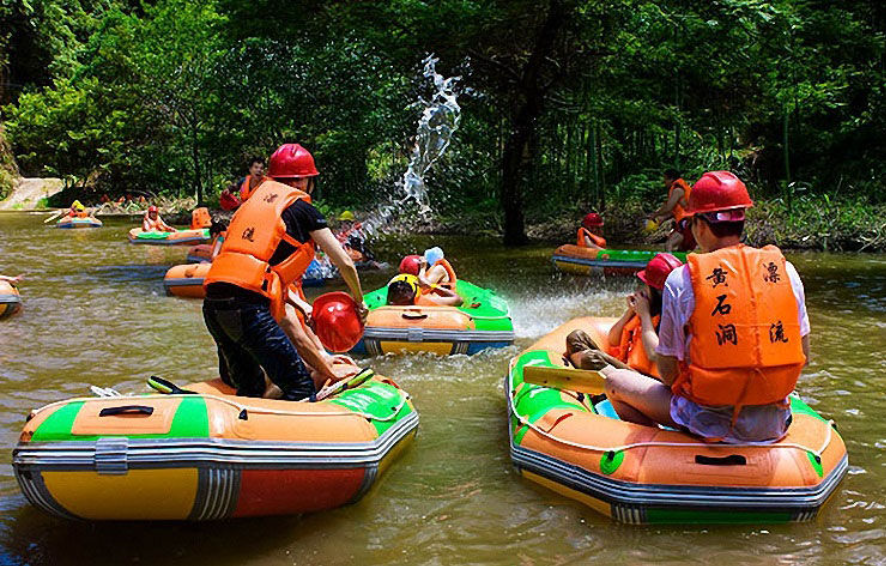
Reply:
x=439 y=121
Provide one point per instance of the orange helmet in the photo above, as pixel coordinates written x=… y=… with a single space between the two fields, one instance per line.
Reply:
x=411 y=264
x=718 y=191
x=658 y=269
x=292 y=160
x=336 y=321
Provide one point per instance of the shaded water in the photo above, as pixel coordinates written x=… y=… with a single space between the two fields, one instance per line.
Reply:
x=95 y=314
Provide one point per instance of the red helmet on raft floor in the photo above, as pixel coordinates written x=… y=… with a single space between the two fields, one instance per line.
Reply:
x=592 y=220
x=657 y=270
x=719 y=191
x=411 y=264
x=337 y=322
x=292 y=160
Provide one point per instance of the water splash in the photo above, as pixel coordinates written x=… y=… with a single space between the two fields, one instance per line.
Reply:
x=439 y=121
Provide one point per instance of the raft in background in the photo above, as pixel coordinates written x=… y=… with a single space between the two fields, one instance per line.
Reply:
x=69 y=222
x=10 y=300
x=210 y=455
x=577 y=260
x=483 y=321
x=186 y=280
x=578 y=447
x=179 y=237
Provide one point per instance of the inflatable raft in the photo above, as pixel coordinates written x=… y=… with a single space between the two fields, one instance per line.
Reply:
x=577 y=446
x=179 y=237
x=483 y=321
x=75 y=222
x=199 y=254
x=10 y=300
x=570 y=258
x=210 y=455
x=187 y=280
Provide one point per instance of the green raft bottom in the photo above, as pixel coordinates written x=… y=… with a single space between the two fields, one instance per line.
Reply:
x=488 y=310
x=636 y=255
x=191 y=419
x=165 y=235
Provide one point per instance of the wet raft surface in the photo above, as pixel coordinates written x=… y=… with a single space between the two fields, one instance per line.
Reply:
x=95 y=313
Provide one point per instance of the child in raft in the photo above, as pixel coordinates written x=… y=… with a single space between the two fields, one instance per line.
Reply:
x=406 y=289
x=416 y=265
x=217 y=231
x=590 y=234
x=153 y=223
x=634 y=338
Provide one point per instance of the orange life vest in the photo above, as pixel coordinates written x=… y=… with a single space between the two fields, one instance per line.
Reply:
x=255 y=233
x=679 y=210
x=598 y=240
x=151 y=225
x=425 y=296
x=246 y=191
x=630 y=348
x=746 y=347
x=200 y=218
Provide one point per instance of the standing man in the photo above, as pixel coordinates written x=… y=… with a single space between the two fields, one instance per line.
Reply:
x=734 y=332
x=680 y=238
x=269 y=245
x=246 y=186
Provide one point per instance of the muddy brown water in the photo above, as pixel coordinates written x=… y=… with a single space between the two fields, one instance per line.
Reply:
x=95 y=314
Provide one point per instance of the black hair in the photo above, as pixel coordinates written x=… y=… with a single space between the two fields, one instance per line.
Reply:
x=671 y=174
x=256 y=159
x=401 y=293
x=217 y=227
x=724 y=229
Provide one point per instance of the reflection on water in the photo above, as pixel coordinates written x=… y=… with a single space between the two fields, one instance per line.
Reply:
x=95 y=313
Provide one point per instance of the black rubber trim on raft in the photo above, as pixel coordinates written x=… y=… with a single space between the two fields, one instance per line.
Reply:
x=599 y=262
x=419 y=334
x=184 y=282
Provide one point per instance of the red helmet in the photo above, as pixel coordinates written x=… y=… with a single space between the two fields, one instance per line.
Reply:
x=658 y=269
x=336 y=321
x=718 y=190
x=292 y=160
x=411 y=264
x=152 y=208
x=592 y=220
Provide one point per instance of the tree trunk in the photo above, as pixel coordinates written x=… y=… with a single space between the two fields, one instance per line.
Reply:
x=198 y=182
x=526 y=110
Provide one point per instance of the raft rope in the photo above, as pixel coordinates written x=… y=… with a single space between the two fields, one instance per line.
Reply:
x=660 y=443
x=404 y=398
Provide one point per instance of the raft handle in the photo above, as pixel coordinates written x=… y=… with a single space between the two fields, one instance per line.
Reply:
x=414 y=315
x=127 y=410
x=731 y=460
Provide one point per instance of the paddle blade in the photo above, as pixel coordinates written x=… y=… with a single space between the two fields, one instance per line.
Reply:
x=579 y=380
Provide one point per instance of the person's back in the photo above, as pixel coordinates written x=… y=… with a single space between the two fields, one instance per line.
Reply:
x=734 y=331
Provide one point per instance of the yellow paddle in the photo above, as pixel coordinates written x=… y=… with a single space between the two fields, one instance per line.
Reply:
x=580 y=380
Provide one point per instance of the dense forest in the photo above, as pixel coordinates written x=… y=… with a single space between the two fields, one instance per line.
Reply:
x=566 y=105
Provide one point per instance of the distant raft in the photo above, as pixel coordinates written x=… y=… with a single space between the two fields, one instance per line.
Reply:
x=200 y=253
x=10 y=300
x=575 y=445
x=187 y=280
x=210 y=455
x=179 y=237
x=483 y=321
x=69 y=222
x=577 y=260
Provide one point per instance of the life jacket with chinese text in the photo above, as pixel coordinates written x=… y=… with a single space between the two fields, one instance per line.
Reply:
x=746 y=347
x=256 y=231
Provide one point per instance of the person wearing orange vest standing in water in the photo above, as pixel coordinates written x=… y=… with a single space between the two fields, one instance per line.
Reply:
x=269 y=245
x=245 y=186
x=734 y=333
x=590 y=233
x=680 y=238
x=153 y=223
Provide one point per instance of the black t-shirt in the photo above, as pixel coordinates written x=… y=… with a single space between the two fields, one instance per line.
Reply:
x=301 y=218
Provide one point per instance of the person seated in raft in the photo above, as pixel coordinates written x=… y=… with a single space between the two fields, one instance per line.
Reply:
x=12 y=280
x=674 y=207
x=406 y=290
x=217 y=231
x=734 y=333
x=634 y=338
x=441 y=273
x=153 y=223
x=590 y=234
x=77 y=210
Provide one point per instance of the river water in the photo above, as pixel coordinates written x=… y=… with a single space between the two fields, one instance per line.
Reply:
x=95 y=314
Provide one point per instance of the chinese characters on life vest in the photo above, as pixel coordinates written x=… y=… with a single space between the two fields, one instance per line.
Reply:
x=727 y=333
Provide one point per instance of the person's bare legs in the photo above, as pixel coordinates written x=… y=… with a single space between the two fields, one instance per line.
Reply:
x=638 y=398
x=674 y=241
